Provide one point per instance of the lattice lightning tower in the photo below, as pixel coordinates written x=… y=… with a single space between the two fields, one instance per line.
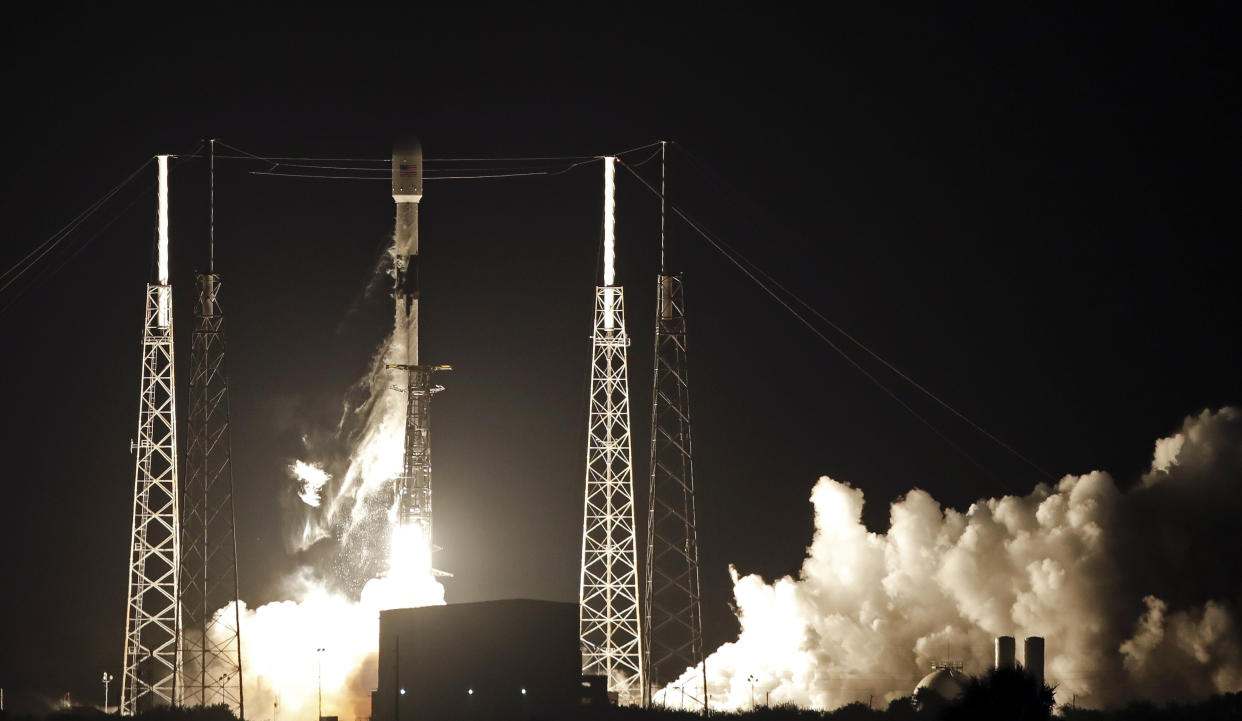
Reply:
x=152 y=656
x=211 y=624
x=609 y=625
x=672 y=616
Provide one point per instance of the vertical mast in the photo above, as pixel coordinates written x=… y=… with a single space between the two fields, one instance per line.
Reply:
x=152 y=655
x=610 y=635
x=672 y=616
x=211 y=623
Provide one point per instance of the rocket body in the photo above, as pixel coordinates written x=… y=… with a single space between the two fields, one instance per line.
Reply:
x=407 y=191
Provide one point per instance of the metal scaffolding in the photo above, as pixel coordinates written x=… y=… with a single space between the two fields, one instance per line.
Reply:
x=152 y=655
x=609 y=612
x=609 y=623
x=672 y=617
x=211 y=623
x=413 y=486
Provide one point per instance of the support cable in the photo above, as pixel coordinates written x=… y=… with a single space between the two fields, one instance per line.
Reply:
x=862 y=346
x=751 y=271
x=45 y=274
x=40 y=251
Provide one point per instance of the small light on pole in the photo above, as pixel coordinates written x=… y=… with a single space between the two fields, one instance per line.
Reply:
x=319 y=670
x=107 y=679
x=752 y=679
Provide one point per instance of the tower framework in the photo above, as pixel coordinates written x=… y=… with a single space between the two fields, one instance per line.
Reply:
x=413 y=486
x=211 y=623
x=672 y=617
x=609 y=623
x=152 y=655
x=610 y=633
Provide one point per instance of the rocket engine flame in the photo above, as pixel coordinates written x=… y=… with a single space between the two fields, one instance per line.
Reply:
x=1100 y=572
x=280 y=638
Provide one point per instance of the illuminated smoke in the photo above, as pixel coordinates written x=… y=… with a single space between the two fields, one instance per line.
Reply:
x=1136 y=591
x=279 y=642
x=312 y=479
x=337 y=608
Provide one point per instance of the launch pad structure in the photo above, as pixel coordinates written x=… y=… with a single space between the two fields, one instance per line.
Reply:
x=672 y=616
x=609 y=624
x=210 y=612
x=152 y=611
x=672 y=612
x=183 y=636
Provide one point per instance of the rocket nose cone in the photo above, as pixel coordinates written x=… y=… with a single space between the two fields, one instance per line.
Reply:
x=407 y=170
x=407 y=147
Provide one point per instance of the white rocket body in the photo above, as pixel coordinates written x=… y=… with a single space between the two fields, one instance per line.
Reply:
x=407 y=191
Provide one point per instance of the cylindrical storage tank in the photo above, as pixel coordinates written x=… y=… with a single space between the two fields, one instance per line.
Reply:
x=1035 y=657
x=1006 y=652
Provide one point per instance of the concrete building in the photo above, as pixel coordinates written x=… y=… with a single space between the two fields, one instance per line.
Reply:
x=491 y=660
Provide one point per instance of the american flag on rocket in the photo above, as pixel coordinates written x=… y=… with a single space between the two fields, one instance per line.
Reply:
x=407 y=169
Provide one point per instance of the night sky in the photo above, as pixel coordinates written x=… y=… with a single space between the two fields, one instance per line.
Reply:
x=1032 y=213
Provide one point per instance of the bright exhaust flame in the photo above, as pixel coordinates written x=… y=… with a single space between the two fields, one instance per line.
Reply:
x=279 y=639
x=1099 y=572
x=410 y=550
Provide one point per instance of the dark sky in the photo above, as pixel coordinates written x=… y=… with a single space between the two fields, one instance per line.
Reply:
x=1033 y=213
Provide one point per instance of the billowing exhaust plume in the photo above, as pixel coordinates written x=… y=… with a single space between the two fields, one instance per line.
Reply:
x=312 y=479
x=1136 y=591
x=337 y=609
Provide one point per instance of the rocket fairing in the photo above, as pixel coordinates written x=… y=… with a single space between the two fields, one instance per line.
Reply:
x=407 y=171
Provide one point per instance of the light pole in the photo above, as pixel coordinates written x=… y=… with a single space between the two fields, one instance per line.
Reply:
x=751 y=678
x=319 y=668
x=107 y=679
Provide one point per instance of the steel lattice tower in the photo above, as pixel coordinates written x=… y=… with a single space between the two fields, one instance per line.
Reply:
x=672 y=617
x=210 y=613
x=152 y=656
x=609 y=624
x=672 y=612
x=211 y=623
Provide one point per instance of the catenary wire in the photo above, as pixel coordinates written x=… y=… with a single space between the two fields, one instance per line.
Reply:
x=44 y=275
x=743 y=266
x=703 y=167
x=22 y=266
x=313 y=176
x=68 y=230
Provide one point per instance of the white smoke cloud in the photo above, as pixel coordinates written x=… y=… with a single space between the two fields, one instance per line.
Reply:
x=280 y=640
x=311 y=479
x=282 y=667
x=1136 y=591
